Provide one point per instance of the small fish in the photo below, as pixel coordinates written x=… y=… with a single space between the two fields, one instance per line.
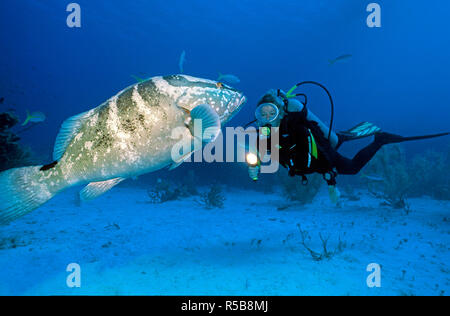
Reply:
x=373 y=178
x=182 y=61
x=35 y=117
x=340 y=58
x=2 y=99
x=231 y=79
x=138 y=79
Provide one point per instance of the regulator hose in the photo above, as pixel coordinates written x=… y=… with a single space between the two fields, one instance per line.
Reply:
x=291 y=95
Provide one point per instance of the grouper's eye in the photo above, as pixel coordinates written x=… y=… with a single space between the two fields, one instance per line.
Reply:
x=219 y=85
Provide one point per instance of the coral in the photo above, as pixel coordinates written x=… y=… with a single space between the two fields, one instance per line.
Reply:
x=214 y=198
x=390 y=166
x=163 y=191
x=430 y=175
x=325 y=254
x=427 y=174
x=296 y=191
x=349 y=193
x=12 y=154
x=166 y=190
x=189 y=184
x=12 y=243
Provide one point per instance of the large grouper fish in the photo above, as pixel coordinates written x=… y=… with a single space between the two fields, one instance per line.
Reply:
x=130 y=134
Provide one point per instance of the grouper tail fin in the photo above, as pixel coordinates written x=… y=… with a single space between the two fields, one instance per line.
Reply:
x=23 y=190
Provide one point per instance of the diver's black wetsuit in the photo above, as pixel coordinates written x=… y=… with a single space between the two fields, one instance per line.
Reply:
x=295 y=149
x=304 y=149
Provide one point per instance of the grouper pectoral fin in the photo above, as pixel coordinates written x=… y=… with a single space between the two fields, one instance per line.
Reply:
x=203 y=133
x=204 y=126
x=94 y=189
x=210 y=123
x=177 y=163
x=68 y=130
x=189 y=146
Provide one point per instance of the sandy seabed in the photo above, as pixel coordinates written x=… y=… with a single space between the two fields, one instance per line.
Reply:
x=125 y=245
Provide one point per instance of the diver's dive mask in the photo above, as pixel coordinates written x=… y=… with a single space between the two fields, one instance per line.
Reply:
x=266 y=115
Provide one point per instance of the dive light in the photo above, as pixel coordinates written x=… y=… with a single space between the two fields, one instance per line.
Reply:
x=252 y=159
x=253 y=163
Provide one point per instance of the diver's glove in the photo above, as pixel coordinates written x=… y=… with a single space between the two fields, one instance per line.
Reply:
x=333 y=191
x=253 y=172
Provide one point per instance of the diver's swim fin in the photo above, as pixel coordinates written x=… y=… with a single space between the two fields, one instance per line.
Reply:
x=362 y=130
x=386 y=138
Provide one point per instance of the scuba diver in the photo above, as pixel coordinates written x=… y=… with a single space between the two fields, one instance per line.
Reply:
x=306 y=144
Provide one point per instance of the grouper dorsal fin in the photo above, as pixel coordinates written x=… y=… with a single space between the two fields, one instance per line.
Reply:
x=95 y=189
x=68 y=130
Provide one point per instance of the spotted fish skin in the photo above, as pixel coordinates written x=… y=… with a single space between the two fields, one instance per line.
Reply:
x=128 y=135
